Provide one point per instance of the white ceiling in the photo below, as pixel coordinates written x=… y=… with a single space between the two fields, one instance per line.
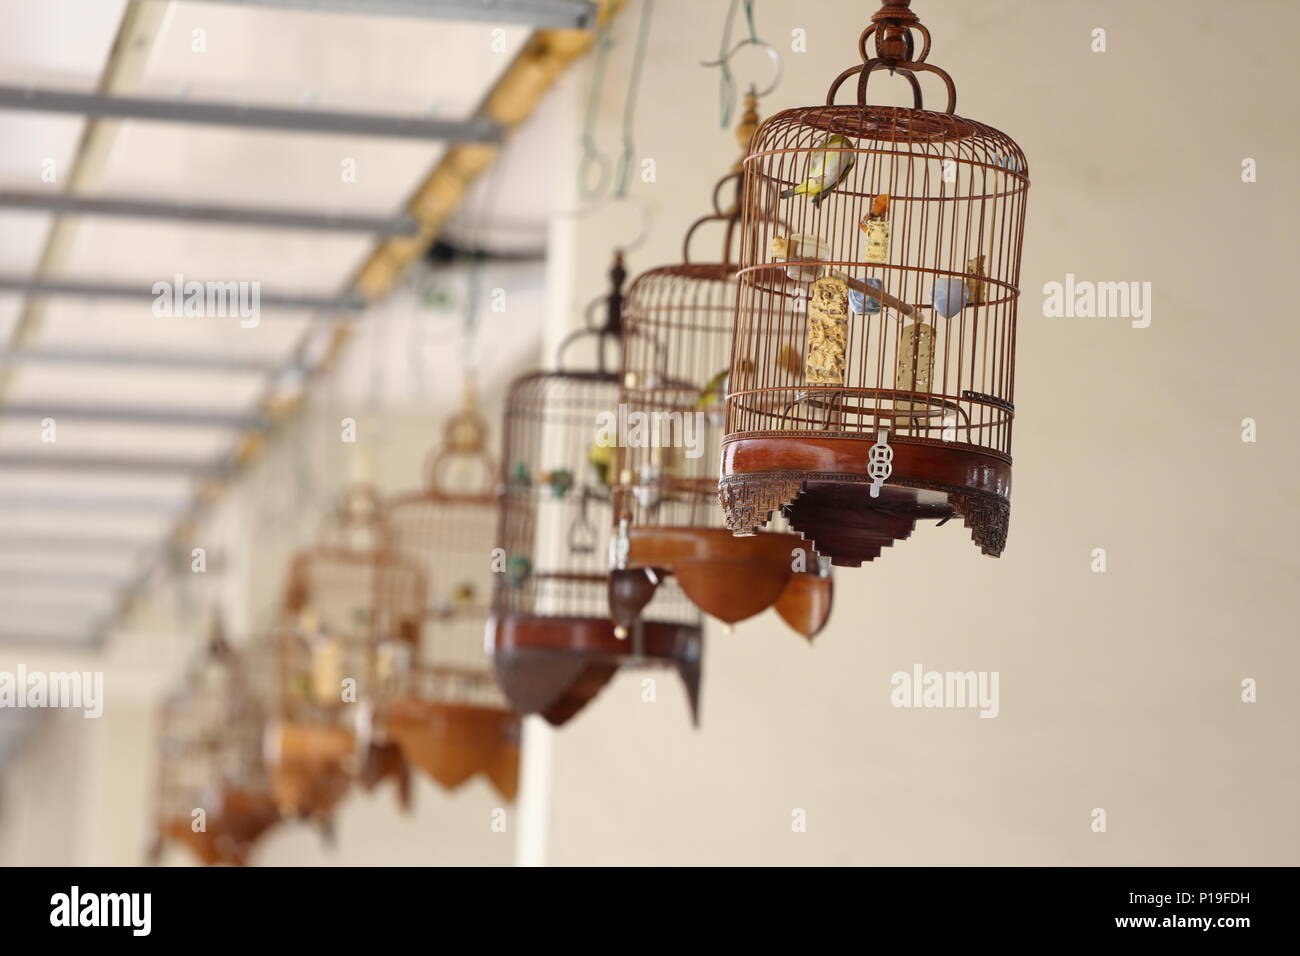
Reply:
x=390 y=65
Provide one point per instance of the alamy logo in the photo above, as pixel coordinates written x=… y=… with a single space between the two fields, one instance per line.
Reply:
x=955 y=689
x=74 y=908
x=82 y=690
x=1084 y=299
x=208 y=300
x=651 y=430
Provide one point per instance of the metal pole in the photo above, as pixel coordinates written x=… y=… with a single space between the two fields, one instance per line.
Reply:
x=557 y=14
x=476 y=129
x=135 y=416
x=109 y=290
x=206 y=213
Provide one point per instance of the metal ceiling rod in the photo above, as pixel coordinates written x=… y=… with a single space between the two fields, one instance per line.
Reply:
x=78 y=642
x=143 y=291
x=135 y=416
x=61 y=578
x=135 y=504
x=91 y=463
x=116 y=357
x=36 y=543
x=473 y=130
x=197 y=212
x=557 y=14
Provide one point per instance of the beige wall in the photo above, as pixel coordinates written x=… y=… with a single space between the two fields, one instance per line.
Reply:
x=1118 y=690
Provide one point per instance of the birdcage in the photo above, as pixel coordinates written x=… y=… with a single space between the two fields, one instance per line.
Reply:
x=214 y=795
x=677 y=330
x=448 y=714
x=893 y=280
x=351 y=620
x=552 y=642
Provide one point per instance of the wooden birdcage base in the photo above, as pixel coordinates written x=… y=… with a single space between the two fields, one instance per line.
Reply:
x=230 y=834
x=453 y=742
x=311 y=772
x=554 y=666
x=822 y=487
x=727 y=577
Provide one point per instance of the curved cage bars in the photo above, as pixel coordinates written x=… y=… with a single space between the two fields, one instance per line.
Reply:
x=213 y=793
x=551 y=640
x=447 y=712
x=350 y=628
x=874 y=354
x=677 y=330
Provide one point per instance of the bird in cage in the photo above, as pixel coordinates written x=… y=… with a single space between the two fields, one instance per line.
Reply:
x=715 y=390
x=826 y=169
x=601 y=459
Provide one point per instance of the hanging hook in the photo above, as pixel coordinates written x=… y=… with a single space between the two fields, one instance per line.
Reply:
x=778 y=67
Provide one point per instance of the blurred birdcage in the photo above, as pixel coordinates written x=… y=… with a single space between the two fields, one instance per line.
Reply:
x=350 y=625
x=448 y=714
x=214 y=795
x=677 y=330
x=893 y=281
x=551 y=638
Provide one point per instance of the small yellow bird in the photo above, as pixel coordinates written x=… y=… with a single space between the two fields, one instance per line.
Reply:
x=826 y=170
x=601 y=458
x=715 y=390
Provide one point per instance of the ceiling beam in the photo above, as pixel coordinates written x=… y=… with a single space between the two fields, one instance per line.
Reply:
x=477 y=129
x=550 y=14
x=206 y=213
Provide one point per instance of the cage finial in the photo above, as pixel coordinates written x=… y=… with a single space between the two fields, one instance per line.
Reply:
x=614 y=301
x=745 y=128
x=893 y=24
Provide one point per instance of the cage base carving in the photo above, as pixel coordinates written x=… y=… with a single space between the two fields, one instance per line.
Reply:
x=454 y=742
x=822 y=487
x=311 y=773
x=727 y=577
x=554 y=666
x=229 y=837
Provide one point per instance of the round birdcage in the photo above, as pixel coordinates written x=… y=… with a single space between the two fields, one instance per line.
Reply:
x=214 y=795
x=351 y=620
x=893 y=281
x=677 y=330
x=551 y=639
x=448 y=714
